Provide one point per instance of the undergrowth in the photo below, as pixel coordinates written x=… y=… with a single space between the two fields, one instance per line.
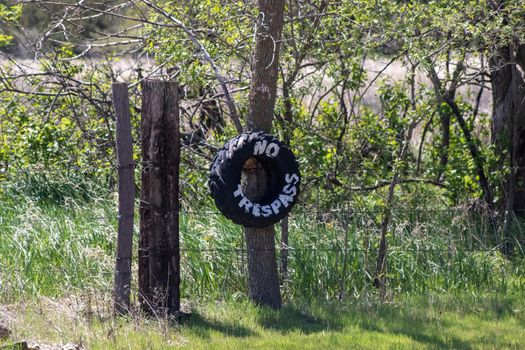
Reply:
x=58 y=248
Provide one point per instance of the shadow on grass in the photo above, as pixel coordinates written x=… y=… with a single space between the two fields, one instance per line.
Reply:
x=203 y=327
x=290 y=319
x=416 y=326
x=422 y=322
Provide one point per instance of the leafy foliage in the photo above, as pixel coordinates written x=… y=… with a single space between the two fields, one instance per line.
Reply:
x=354 y=78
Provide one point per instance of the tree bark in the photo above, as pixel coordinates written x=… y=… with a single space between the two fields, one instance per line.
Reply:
x=265 y=64
x=263 y=277
x=507 y=66
x=444 y=118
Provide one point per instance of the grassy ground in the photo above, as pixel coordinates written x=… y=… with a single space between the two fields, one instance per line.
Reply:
x=56 y=275
x=431 y=322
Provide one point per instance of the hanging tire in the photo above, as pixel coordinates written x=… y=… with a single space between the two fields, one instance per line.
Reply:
x=282 y=179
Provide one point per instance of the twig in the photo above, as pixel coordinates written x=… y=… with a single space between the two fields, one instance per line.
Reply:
x=231 y=105
x=400 y=181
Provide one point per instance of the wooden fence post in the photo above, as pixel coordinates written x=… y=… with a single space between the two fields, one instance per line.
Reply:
x=126 y=196
x=159 y=254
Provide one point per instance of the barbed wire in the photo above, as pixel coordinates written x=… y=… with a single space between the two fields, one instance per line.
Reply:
x=322 y=215
x=290 y=250
x=344 y=215
x=341 y=250
x=139 y=164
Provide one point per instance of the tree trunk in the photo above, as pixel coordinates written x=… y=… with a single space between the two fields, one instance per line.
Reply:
x=263 y=277
x=265 y=64
x=448 y=96
x=380 y=278
x=477 y=157
x=507 y=66
x=444 y=118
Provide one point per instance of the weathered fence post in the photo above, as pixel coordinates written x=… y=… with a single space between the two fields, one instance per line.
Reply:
x=159 y=255
x=126 y=196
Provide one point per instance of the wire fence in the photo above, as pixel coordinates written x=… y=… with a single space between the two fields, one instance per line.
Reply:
x=331 y=251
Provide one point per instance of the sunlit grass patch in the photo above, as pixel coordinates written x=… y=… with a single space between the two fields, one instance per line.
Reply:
x=437 y=321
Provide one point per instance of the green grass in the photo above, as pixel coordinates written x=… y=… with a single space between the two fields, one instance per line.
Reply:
x=56 y=275
x=61 y=247
x=49 y=249
x=432 y=322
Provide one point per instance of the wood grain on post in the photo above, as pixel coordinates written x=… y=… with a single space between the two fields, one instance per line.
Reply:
x=144 y=210
x=160 y=229
x=126 y=195
x=172 y=130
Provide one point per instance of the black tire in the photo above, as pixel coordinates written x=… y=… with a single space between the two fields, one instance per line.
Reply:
x=283 y=179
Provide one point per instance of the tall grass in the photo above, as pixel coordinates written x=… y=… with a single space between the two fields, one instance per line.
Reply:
x=50 y=249
x=56 y=248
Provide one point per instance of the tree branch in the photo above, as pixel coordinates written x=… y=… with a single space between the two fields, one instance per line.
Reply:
x=231 y=105
x=385 y=183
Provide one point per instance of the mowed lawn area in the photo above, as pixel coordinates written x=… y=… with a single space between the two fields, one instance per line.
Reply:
x=430 y=322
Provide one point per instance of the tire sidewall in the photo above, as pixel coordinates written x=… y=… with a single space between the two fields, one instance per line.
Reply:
x=225 y=180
